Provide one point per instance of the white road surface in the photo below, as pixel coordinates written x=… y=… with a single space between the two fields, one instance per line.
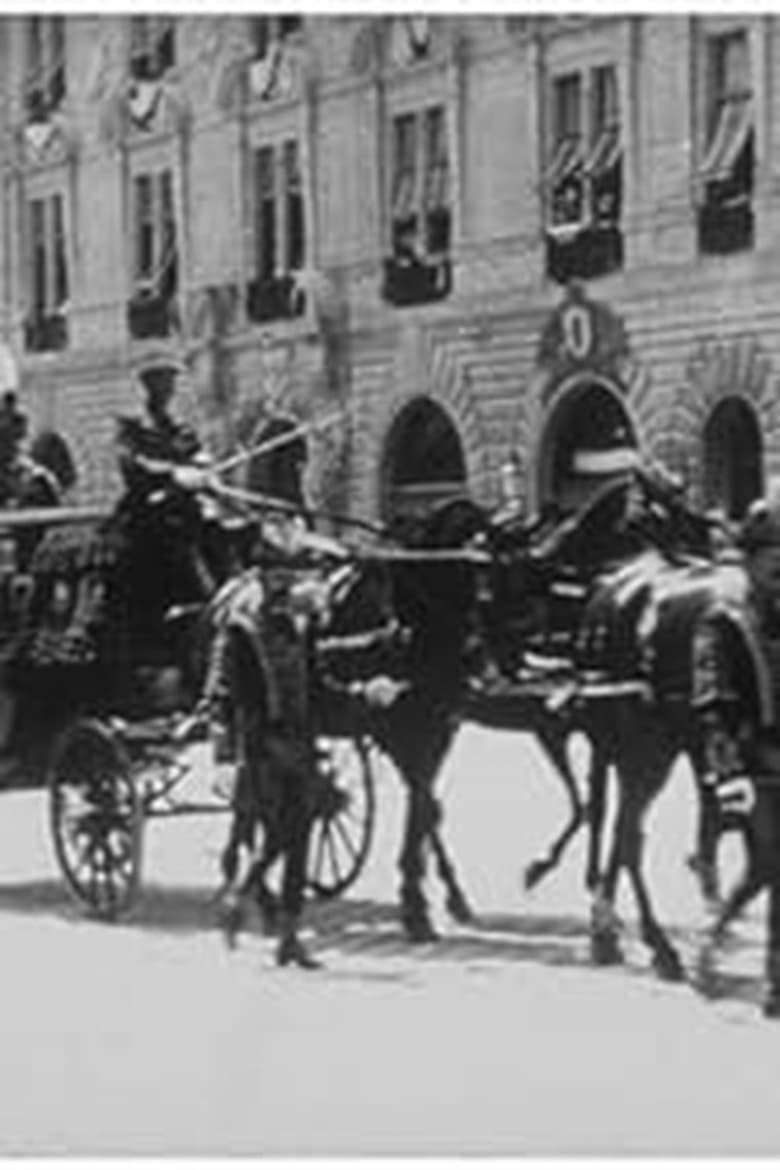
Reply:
x=150 y=1038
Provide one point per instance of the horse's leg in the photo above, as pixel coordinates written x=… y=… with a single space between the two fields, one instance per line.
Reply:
x=420 y=820
x=457 y=904
x=417 y=733
x=644 y=766
x=605 y=925
x=704 y=862
x=597 y=785
x=553 y=741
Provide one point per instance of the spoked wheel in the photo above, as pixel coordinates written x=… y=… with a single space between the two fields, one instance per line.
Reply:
x=96 y=818
x=345 y=811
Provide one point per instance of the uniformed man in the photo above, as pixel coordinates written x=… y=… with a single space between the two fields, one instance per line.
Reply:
x=736 y=694
x=154 y=451
x=164 y=468
x=273 y=608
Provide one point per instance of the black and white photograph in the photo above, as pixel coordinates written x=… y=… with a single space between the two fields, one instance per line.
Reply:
x=389 y=581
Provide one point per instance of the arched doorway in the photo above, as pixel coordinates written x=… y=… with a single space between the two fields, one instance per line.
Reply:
x=423 y=462
x=588 y=436
x=733 y=457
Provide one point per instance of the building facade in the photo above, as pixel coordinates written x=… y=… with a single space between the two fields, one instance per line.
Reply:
x=463 y=244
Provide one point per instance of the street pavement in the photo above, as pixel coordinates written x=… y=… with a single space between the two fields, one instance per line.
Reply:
x=149 y=1037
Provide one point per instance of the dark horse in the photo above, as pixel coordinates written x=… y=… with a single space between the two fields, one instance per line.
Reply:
x=528 y=601
x=639 y=625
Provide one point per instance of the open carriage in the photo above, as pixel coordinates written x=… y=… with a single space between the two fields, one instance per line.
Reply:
x=100 y=708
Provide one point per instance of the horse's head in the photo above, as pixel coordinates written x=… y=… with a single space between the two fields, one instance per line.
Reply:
x=438 y=594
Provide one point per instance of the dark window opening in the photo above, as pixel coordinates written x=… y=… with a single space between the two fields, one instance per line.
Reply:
x=419 y=268
x=584 y=179
x=152 y=306
x=280 y=235
x=726 y=176
x=46 y=326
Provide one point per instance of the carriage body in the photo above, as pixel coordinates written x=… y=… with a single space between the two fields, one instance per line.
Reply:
x=100 y=677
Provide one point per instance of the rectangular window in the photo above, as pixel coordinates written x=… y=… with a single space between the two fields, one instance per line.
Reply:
x=46 y=325
x=45 y=66
x=293 y=198
x=151 y=310
x=39 y=264
x=152 y=46
x=155 y=233
x=404 y=189
x=418 y=269
x=564 y=174
x=265 y=234
x=727 y=167
x=280 y=233
x=583 y=180
x=436 y=195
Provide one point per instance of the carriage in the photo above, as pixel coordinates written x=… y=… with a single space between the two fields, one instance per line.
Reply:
x=94 y=706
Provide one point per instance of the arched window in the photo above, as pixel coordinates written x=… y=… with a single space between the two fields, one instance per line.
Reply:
x=733 y=471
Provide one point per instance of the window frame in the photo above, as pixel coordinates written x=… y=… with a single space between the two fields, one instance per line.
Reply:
x=161 y=229
x=279 y=150
x=726 y=141
x=594 y=141
x=47 y=269
x=428 y=164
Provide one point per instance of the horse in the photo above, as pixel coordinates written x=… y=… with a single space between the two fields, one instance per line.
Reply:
x=639 y=624
x=526 y=605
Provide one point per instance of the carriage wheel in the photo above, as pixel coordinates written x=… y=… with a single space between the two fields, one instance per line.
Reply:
x=344 y=815
x=96 y=818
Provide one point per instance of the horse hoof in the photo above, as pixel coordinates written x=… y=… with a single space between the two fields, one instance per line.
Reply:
x=605 y=950
x=534 y=873
x=668 y=966
x=459 y=910
x=292 y=953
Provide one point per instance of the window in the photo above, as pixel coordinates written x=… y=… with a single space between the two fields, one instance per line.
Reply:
x=583 y=181
x=45 y=84
x=726 y=172
x=46 y=322
x=280 y=235
x=152 y=306
x=152 y=46
x=419 y=266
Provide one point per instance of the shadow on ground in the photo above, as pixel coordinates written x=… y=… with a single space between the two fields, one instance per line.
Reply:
x=369 y=930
